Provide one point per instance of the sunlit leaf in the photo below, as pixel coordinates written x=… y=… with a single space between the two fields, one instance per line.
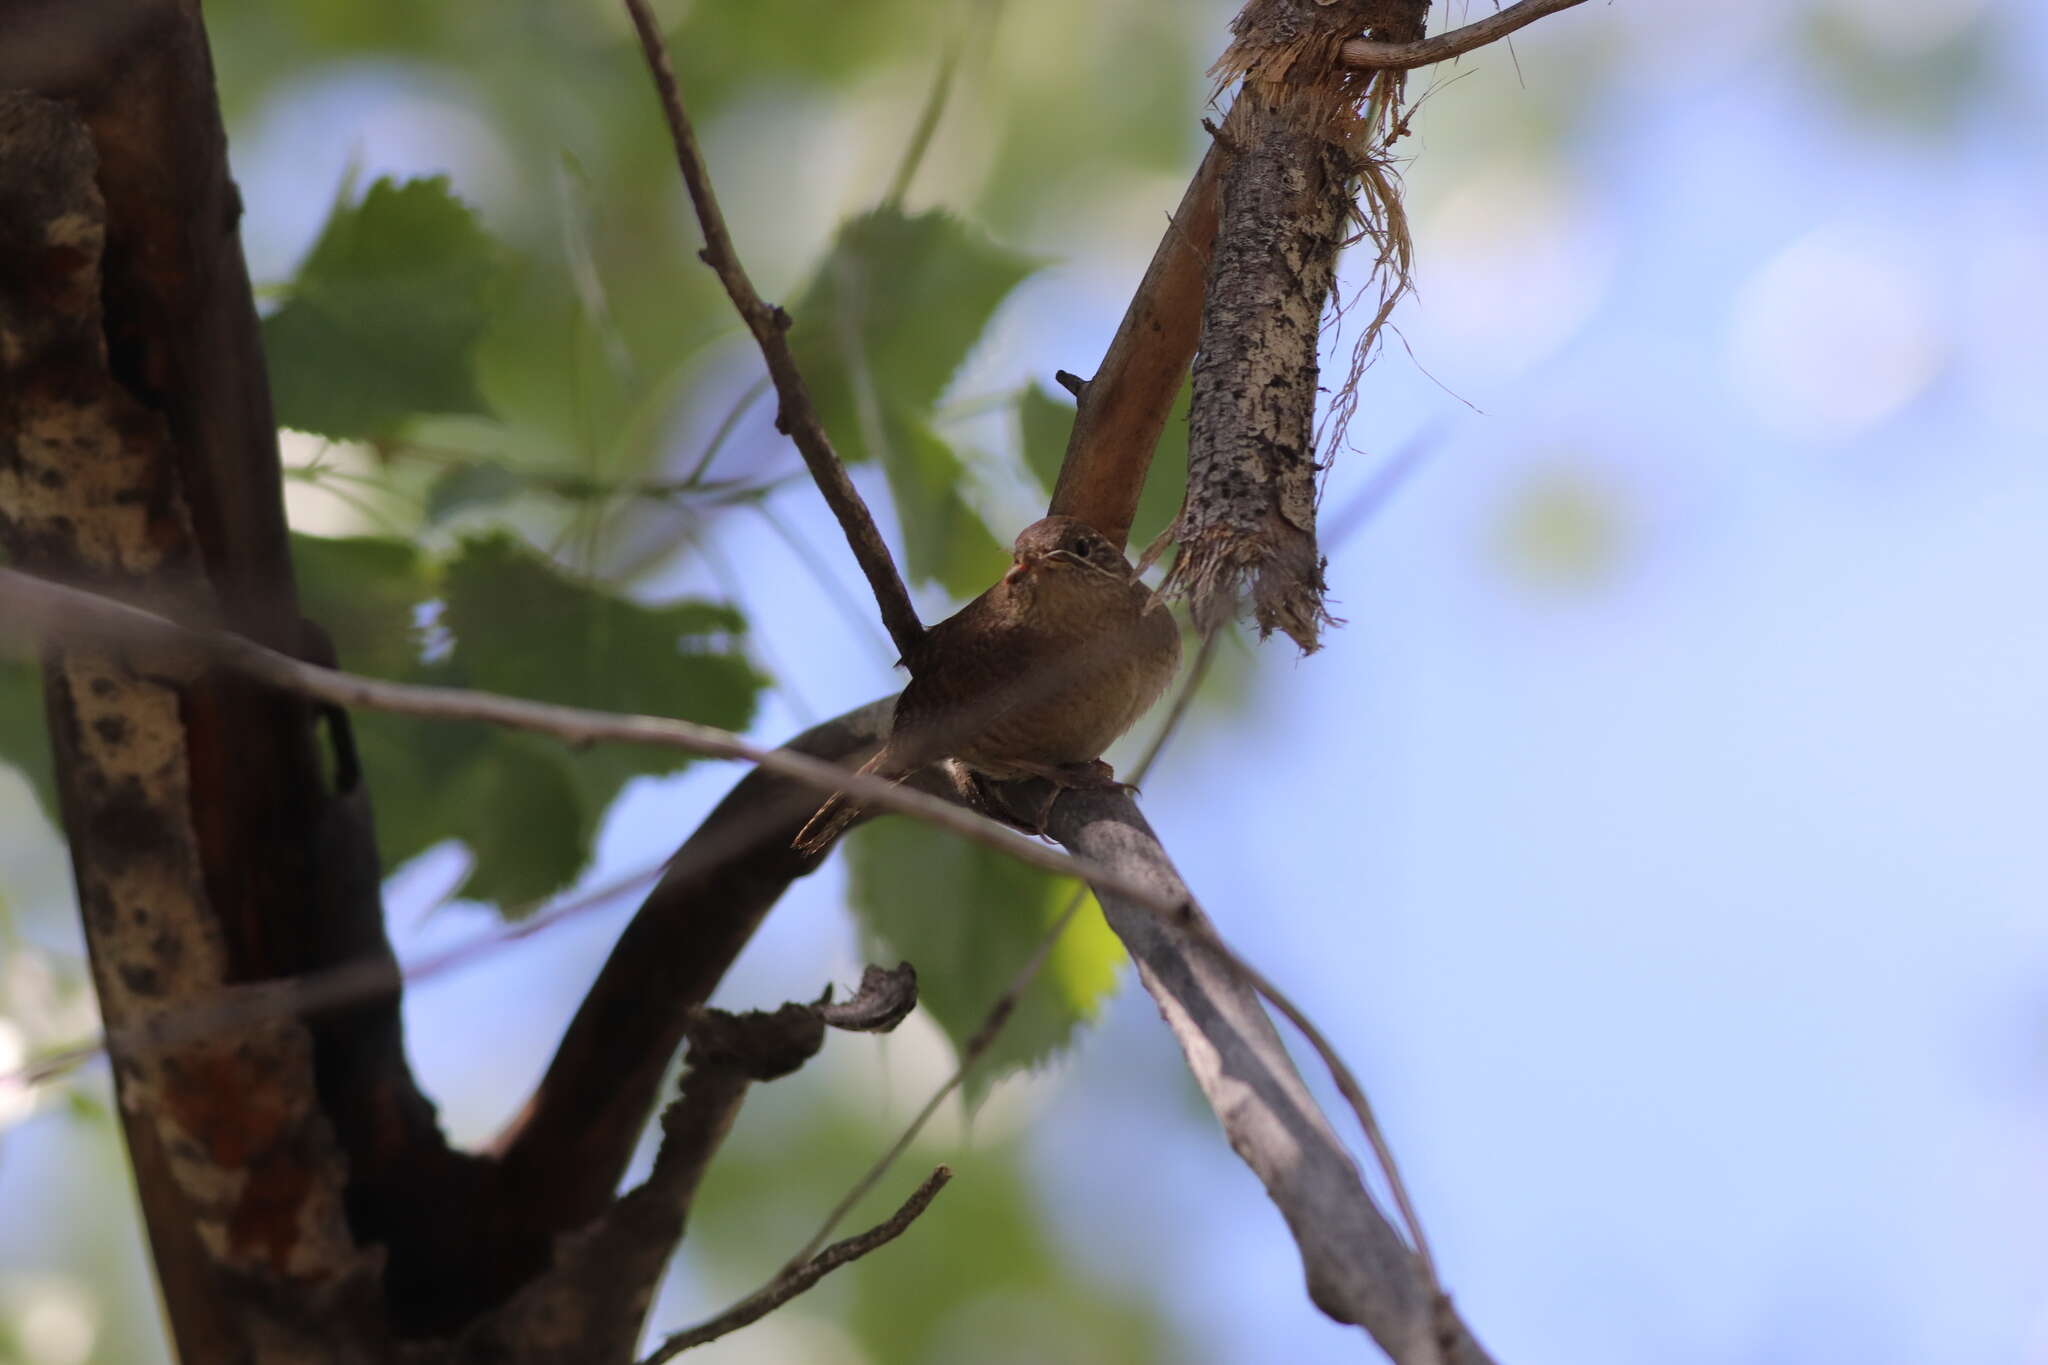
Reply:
x=1563 y=529
x=891 y=314
x=366 y=593
x=384 y=317
x=943 y=538
x=469 y=487
x=24 y=741
x=968 y=919
x=522 y=627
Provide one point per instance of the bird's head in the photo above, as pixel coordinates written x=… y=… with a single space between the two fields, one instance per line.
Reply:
x=1062 y=549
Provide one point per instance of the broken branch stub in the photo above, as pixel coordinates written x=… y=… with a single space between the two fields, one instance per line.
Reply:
x=1295 y=141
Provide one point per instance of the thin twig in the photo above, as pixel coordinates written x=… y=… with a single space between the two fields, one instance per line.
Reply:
x=1004 y=1006
x=725 y=428
x=788 y=1285
x=36 y=609
x=798 y=417
x=1368 y=55
x=336 y=987
x=927 y=119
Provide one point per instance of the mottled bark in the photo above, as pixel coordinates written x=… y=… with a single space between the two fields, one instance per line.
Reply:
x=242 y=1180
x=1289 y=185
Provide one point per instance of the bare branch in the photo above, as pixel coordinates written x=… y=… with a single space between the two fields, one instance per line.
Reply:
x=37 y=609
x=770 y=325
x=788 y=1285
x=1358 y=1268
x=1368 y=55
x=1124 y=405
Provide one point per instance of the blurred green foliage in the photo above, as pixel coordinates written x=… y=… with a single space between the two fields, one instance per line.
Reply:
x=980 y=1277
x=23 y=745
x=384 y=315
x=507 y=619
x=887 y=320
x=969 y=919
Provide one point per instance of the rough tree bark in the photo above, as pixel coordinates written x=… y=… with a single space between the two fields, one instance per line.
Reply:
x=1288 y=190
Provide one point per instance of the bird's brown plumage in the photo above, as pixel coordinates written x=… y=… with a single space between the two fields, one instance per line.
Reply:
x=1035 y=677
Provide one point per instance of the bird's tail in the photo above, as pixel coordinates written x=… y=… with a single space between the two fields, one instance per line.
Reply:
x=830 y=820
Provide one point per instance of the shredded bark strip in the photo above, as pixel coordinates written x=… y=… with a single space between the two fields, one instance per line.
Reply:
x=1305 y=138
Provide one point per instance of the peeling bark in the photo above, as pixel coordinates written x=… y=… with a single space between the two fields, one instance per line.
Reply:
x=1288 y=194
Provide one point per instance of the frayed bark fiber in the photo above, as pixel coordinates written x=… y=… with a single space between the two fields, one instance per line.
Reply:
x=1287 y=203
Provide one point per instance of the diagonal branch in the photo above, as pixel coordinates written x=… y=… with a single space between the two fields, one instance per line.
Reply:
x=572 y=1140
x=1123 y=409
x=1358 y=1269
x=589 y=1303
x=38 y=609
x=770 y=326
x=787 y=1286
x=1368 y=55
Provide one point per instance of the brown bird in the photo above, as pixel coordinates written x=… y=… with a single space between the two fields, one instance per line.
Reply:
x=1034 y=678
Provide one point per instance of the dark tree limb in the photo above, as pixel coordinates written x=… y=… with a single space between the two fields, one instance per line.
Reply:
x=770 y=327
x=590 y=1303
x=200 y=829
x=572 y=1140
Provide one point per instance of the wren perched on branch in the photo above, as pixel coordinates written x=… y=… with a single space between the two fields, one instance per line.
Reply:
x=1034 y=678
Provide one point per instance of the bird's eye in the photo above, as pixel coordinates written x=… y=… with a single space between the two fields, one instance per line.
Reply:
x=1086 y=545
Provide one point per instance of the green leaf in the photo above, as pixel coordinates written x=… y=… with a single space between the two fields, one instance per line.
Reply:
x=1045 y=423
x=24 y=740
x=526 y=807
x=384 y=317
x=892 y=313
x=1046 y=420
x=523 y=628
x=467 y=487
x=943 y=538
x=526 y=818
x=968 y=919
x=366 y=592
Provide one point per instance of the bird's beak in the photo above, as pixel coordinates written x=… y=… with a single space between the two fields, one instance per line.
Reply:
x=1024 y=565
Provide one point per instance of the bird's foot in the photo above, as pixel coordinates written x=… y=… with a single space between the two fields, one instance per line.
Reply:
x=1093 y=775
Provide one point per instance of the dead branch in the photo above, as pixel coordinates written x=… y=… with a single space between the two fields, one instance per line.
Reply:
x=589 y=1304
x=1358 y=1269
x=792 y=1283
x=1367 y=54
x=770 y=325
